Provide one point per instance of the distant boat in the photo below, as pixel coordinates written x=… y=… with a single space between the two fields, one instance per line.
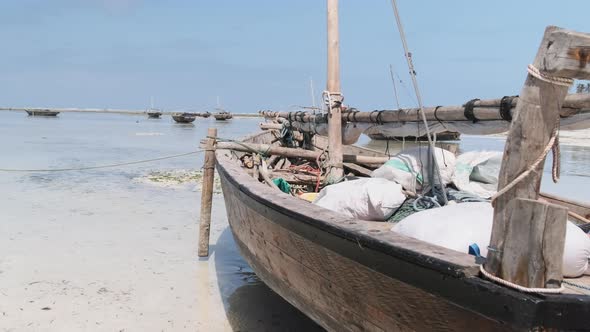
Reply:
x=41 y=113
x=184 y=117
x=443 y=136
x=222 y=116
x=154 y=113
x=205 y=115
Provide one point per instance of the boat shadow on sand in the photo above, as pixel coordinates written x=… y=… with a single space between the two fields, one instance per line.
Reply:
x=249 y=304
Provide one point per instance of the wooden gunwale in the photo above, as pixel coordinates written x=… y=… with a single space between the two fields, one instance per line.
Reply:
x=447 y=274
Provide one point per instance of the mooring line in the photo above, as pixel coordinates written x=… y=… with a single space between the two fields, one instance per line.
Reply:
x=100 y=166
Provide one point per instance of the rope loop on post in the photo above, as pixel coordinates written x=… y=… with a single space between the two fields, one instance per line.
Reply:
x=505 y=107
x=379 y=117
x=469 y=106
x=519 y=287
x=550 y=146
x=436 y=116
x=332 y=99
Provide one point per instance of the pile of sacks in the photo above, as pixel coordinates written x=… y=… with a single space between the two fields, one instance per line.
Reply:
x=455 y=226
x=378 y=197
x=458 y=226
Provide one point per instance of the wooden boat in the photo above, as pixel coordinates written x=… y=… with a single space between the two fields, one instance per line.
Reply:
x=354 y=275
x=222 y=116
x=444 y=136
x=205 y=115
x=349 y=274
x=41 y=112
x=184 y=117
x=154 y=113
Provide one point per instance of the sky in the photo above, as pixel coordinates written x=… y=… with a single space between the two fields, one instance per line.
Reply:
x=262 y=54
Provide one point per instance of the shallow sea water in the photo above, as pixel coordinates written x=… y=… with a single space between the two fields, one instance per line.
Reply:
x=103 y=250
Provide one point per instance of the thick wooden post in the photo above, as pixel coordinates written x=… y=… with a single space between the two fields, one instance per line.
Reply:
x=207 y=193
x=517 y=235
x=533 y=244
x=335 y=171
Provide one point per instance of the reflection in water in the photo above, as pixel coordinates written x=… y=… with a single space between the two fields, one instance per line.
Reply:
x=255 y=307
x=249 y=304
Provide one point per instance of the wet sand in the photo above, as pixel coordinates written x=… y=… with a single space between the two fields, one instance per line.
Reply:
x=118 y=260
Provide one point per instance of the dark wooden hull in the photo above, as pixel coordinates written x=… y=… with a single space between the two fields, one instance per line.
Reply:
x=184 y=118
x=444 y=136
x=154 y=115
x=42 y=113
x=222 y=116
x=351 y=275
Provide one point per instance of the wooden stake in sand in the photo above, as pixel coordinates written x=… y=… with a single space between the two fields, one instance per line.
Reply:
x=207 y=193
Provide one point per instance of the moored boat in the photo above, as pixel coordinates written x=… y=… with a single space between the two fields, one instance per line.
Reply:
x=222 y=116
x=41 y=112
x=154 y=114
x=442 y=136
x=349 y=274
x=353 y=274
x=184 y=117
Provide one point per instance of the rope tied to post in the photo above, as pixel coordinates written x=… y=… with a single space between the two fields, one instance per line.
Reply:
x=332 y=100
x=519 y=287
x=546 y=77
x=468 y=112
x=552 y=145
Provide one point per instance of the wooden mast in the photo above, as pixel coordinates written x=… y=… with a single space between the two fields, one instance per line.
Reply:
x=334 y=97
x=527 y=241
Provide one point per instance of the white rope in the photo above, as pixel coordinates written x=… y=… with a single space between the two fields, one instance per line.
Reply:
x=529 y=170
x=543 y=76
x=519 y=287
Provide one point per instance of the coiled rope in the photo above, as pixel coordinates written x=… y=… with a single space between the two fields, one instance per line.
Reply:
x=84 y=168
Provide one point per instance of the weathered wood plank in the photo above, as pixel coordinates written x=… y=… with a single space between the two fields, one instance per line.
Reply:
x=357 y=169
x=580 y=208
x=354 y=295
x=533 y=246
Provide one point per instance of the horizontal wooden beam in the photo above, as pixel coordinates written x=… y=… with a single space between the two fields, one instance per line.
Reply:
x=265 y=149
x=483 y=110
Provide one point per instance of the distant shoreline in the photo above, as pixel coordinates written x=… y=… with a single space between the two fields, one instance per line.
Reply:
x=111 y=111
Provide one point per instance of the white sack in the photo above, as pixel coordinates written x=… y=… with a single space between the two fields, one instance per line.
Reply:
x=365 y=199
x=410 y=168
x=459 y=225
x=477 y=172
